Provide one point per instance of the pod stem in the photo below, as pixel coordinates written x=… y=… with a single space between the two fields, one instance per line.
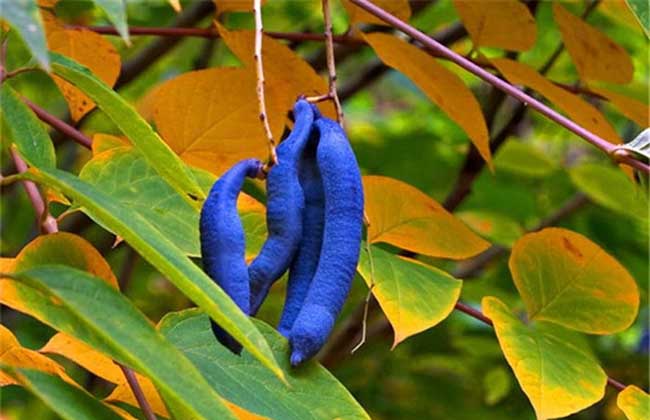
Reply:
x=331 y=65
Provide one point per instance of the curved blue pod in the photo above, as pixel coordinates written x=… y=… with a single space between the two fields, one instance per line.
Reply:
x=304 y=265
x=341 y=242
x=223 y=243
x=285 y=203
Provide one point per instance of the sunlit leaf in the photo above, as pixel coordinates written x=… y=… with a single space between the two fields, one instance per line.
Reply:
x=572 y=105
x=24 y=17
x=555 y=370
x=106 y=319
x=565 y=278
x=175 y=4
x=313 y=393
x=506 y=24
x=402 y=215
x=611 y=188
x=89 y=49
x=595 y=55
x=635 y=110
x=401 y=9
x=498 y=228
x=224 y=6
x=35 y=145
x=523 y=159
x=159 y=155
x=634 y=402
x=413 y=296
x=442 y=87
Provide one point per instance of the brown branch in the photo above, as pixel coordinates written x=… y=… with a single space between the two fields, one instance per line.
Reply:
x=60 y=125
x=331 y=65
x=132 y=380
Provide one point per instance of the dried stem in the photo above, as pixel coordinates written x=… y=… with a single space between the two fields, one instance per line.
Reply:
x=257 y=9
x=46 y=222
x=331 y=65
x=132 y=380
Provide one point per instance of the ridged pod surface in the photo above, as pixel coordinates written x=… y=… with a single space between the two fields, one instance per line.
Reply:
x=223 y=243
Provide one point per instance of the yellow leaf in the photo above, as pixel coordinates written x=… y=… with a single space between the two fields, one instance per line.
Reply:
x=224 y=6
x=287 y=74
x=399 y=285
x=634 y=402
x=635 y=110
x=175 y=4
x=572 y=105
x=104 y=142
x=595 y=55
x=442 y=87
x=401 y=9
x=242 y=413
x=565 y=278
x=88 y=48
x=15 y=355
x=402 y=215
x=554 y=368
x=506 y=24
x=210 y=118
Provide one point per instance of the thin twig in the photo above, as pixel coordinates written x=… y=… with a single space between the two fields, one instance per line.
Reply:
x=60 y=125
x=366 y=305
x=501 y=84
x=46 y=222
x=259 y=29
x=132 y=380
x=331 y=65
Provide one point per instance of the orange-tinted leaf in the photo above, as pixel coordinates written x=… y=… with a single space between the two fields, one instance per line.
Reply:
x=175 y=4
x=565 y=278
x=224 y=6
x=104 y=142
x=572 y=105
x=287 y=75
x=554 y=367
x=442 y=87
x=398 y=8
x=595 y=55
x=402 y=215
x=633 y=109
x=634 y=402
x=210 y=118
x=242 y=413
x=506 y=24
x=15 y=355
x=88 y=48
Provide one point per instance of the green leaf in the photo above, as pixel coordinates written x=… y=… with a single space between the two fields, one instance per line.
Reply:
x=126 y=334
x=497 y=384
x=313 y=393
x=611 y=188
x=413 y=296
x=25 y=130
x=68 y=401
x=565 y=278
x=163 y=255
x=641 y=10
x=555 y=370
x=125 y=175
x=498 y=228
x=24 y=17
x=634 y=402
x=523 y=159
x=159 y=155
x=116 y=12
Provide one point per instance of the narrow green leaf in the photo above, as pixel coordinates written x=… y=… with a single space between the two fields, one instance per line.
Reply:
x=641 y=10
x=25 y=130
x=24 y=17
x=163 y=255
x=156 y=151
x=127 y=335
x=116 y=12
x=68 y=401
x=313 y=393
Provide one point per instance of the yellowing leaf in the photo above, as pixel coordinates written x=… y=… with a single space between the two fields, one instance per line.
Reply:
x=224 y=6
x=554 y=369
x=413 y=296
x=572 y=105
x=104 y=142
x=175 y=4
x=210 y=118
x=402 y=215
x=14 y=355
x=595 y=55
x=90 y=49
x=506 y=24
x=401 y=9
x=287 y=75
x=635 y=110
x=634 y=402
x=242 y=413
x=565 y=278
x=442 y=87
